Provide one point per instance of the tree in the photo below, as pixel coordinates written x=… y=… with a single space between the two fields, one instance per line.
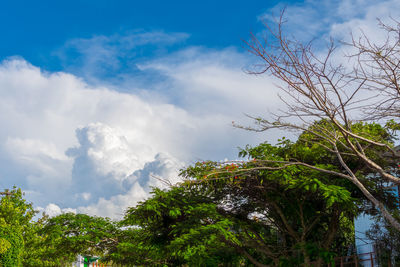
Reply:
x=250 y=213
x=68 y=235
x=15 y=217
x=48 y=241
x=307 y=209
x=316 y=88
x=36 y=252
x=175 y=227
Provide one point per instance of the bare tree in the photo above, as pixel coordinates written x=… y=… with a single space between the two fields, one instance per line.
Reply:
x=317 y=88
x=378 y=67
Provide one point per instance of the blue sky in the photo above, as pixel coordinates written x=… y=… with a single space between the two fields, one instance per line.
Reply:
x=35 y=29
x=99 y=97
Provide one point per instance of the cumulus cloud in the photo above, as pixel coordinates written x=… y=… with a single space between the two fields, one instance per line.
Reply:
x=106 y=164
x=160 y=172
x=108 y=151
x=73 y=144
x=115 y=206
x=41 y=112
x=54 y=210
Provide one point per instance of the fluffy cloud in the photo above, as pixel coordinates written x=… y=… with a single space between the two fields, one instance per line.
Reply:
x=54 y=210
x=42 y=112
x=91 y=147
x=160 y=172
x=106 y=165
x=108 y=152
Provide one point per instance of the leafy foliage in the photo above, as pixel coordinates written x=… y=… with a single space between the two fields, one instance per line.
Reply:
x=175 y=227
x=295 y=192
x=263 y=210
x=48 y=241
x=68 y=235
x=15 y=217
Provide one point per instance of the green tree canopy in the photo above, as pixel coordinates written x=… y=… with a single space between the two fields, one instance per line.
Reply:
x=271 y=208
x=15 y=217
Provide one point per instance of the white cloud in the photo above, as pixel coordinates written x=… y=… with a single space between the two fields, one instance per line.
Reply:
x=115 y=206
x=54 y=210
x=158 y=173
x=319 y=20
x=116 y=143
x=109 y=151
x=209 y=81
x=39 y=156
x=367 y=21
